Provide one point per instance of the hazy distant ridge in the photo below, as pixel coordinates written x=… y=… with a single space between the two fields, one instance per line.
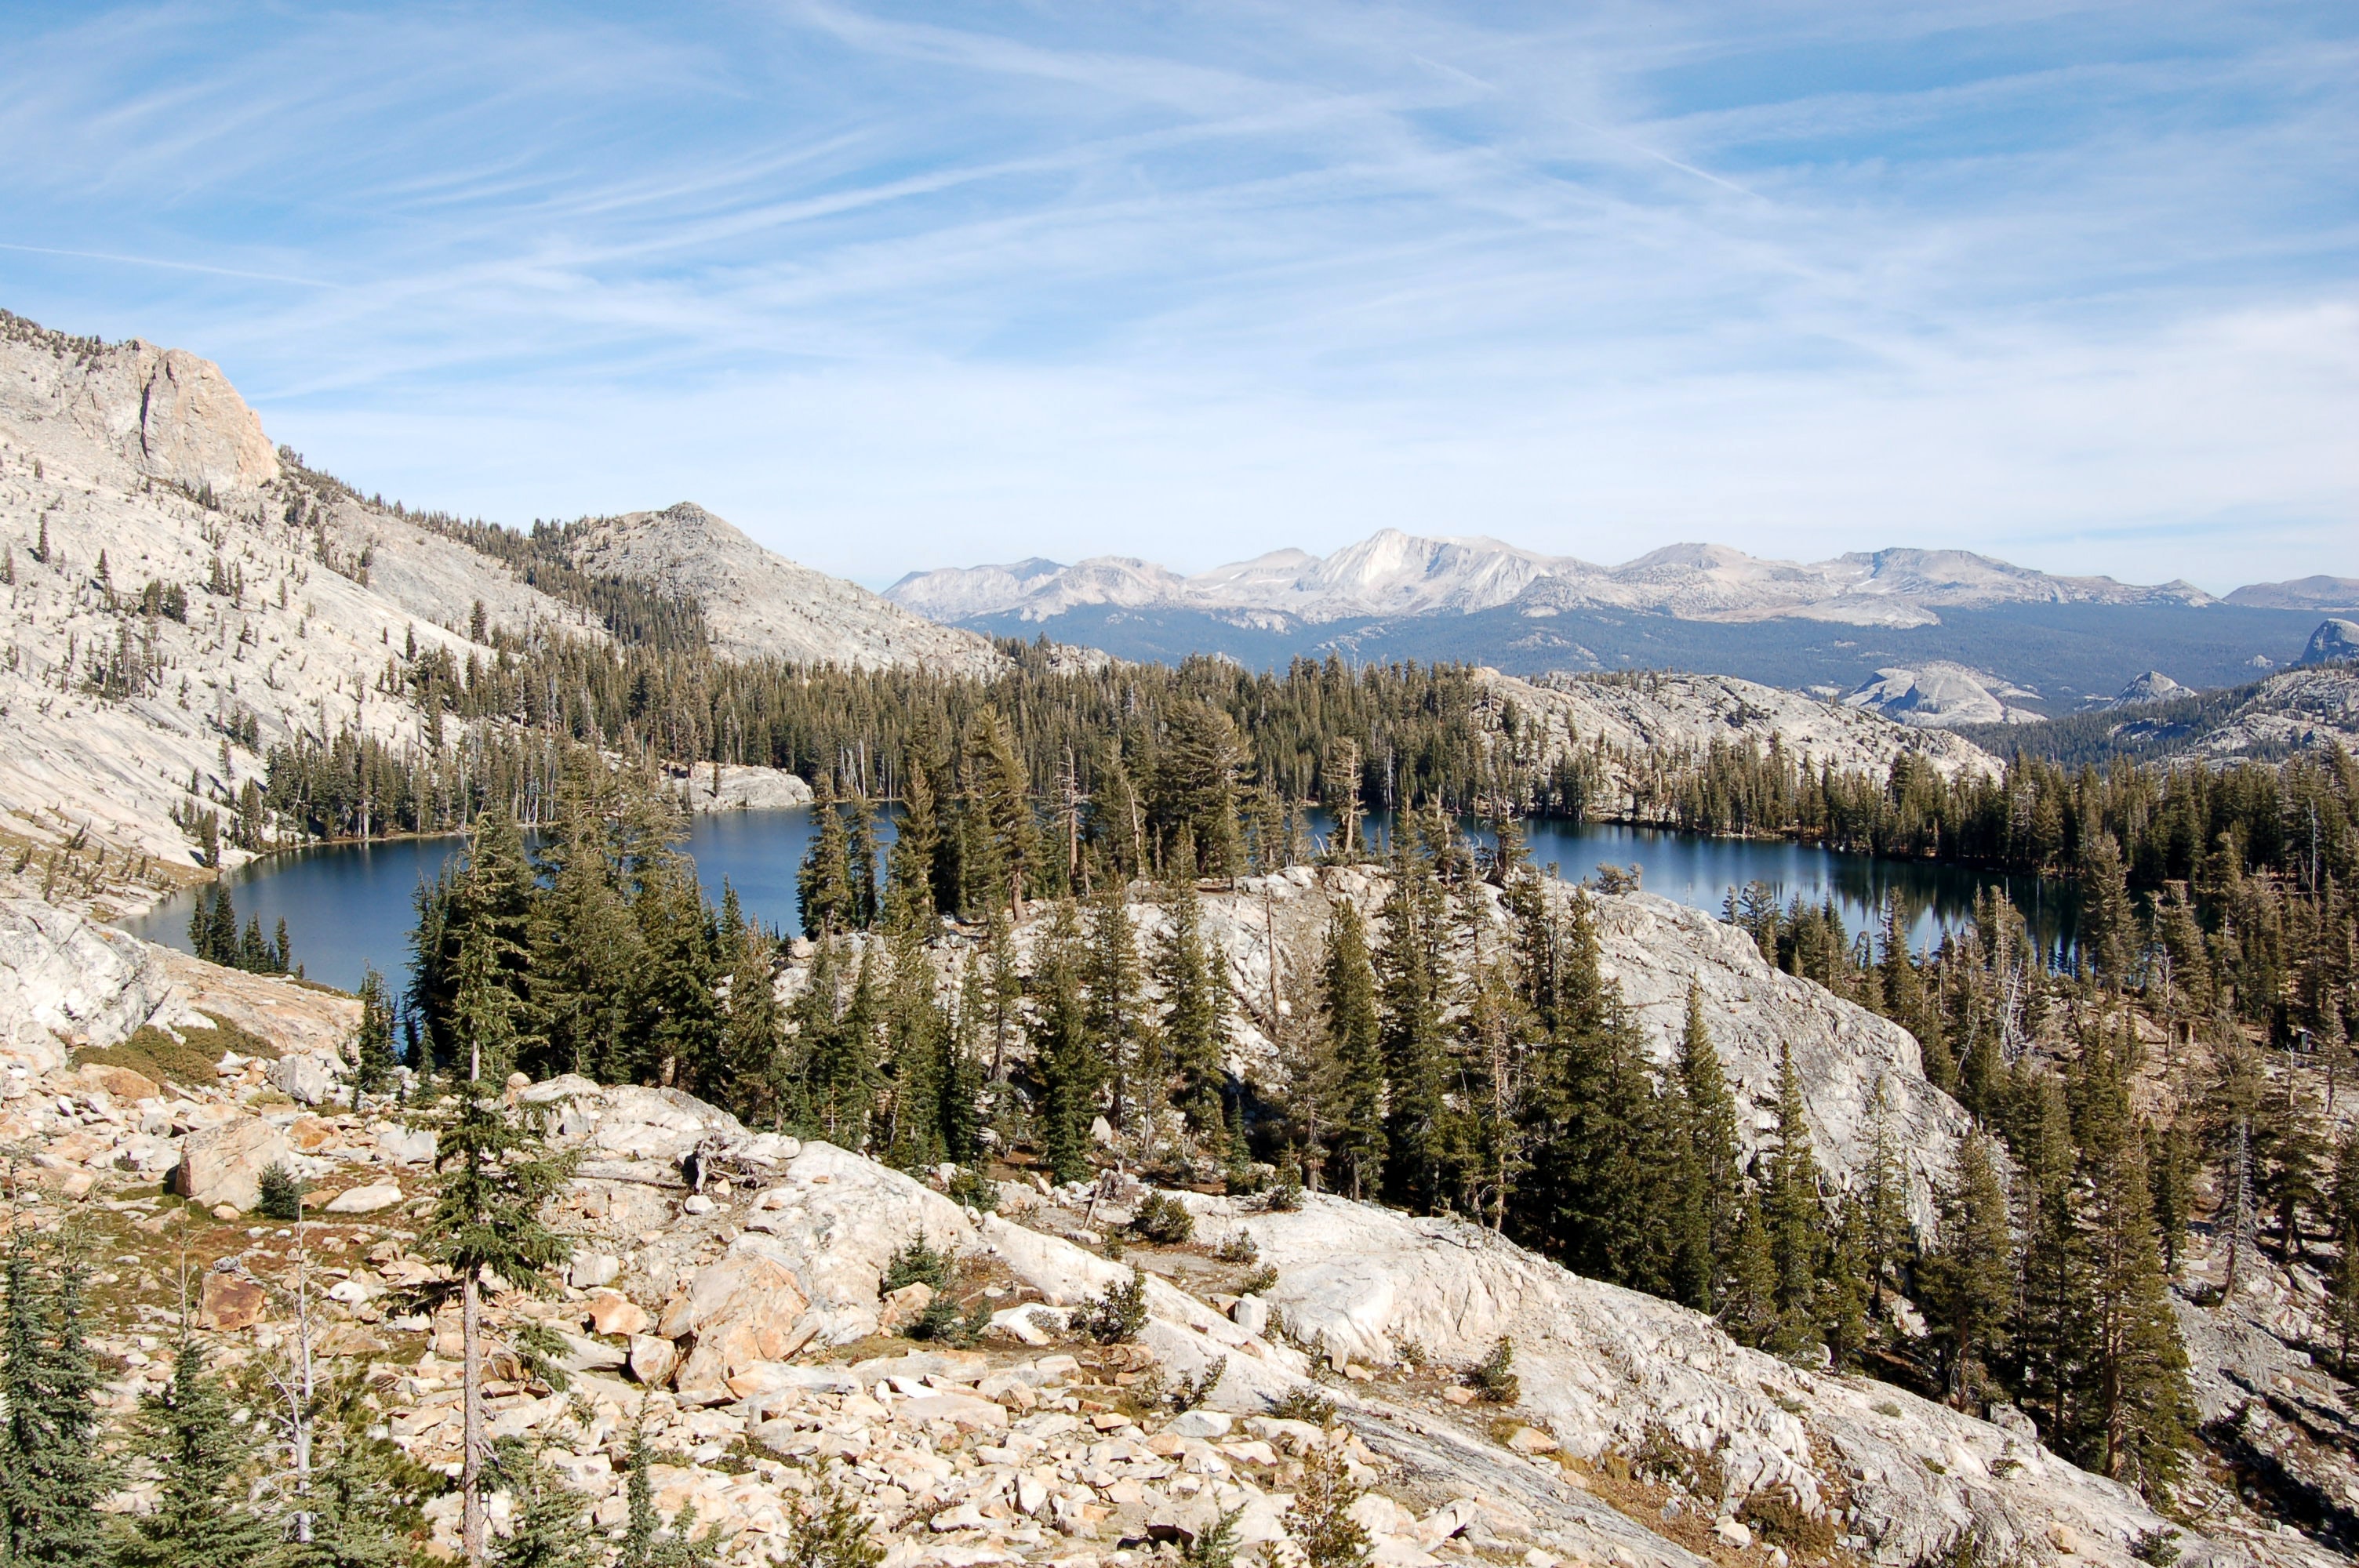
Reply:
x=1392 y=574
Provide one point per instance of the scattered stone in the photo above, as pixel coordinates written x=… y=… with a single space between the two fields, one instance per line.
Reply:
x=226 y=1303
x=369 y=1199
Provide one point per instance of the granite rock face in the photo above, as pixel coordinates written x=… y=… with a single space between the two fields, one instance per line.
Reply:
x=67 y=981
x=1603 y=1369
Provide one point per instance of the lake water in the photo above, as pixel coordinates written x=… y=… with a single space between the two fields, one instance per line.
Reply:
x=349 y=906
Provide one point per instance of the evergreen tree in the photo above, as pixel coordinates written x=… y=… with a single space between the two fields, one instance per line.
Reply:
x=1004 y=839
x=750 y=1077
x=374 y=1060
x=1792 y=1210
x=1712 y=1186
x=1966 y=1283
x=1194 y=793
x=52 y=1476
x=1354 y=1044
x=201 y=1457
x=585 y=952
x=1114 y=1002
x=1409 y=1010
x=497 y=1170
x=915 y=1032
x=548 y=1519
x=1750 y=1312
x=675 y=1024
x=1195 y=1024
x=824 y=885
x=845 y=1076
x=1063 y=1064
x=353 y=1510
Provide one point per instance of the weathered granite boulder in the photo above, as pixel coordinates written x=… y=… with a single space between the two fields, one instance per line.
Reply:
x=224 y=1163
x=68 y=981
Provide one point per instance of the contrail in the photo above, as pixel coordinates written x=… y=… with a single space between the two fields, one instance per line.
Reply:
x=174 y=266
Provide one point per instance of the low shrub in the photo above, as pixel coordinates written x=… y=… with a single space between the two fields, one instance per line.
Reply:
x=1115 y=1316
x=918 y=1263
x=1492 y=1378
x=976 y=1190
x=282 y=1193
x=1238 y=1247
x=1163 y=1220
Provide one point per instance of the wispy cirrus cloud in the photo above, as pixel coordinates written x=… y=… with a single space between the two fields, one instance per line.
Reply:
x=894 y=286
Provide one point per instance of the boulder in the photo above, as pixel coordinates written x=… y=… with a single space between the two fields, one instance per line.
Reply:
x=744 y=1309
x=612 y=1312
x=406 y=1145
x=905 y=1306
x=653 y=1359
x=587 y=1271
x=227 y=1303
x=222 y=1164
x=120 y=1082
x=369 y=1199
x=307 y=1079
x=836 y=1220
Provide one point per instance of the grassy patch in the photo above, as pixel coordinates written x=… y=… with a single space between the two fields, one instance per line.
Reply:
x=188 y=1060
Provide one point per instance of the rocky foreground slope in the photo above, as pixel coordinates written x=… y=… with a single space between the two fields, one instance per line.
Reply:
x=740 y=1319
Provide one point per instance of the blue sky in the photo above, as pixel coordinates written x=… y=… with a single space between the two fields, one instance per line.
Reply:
x=898 y=287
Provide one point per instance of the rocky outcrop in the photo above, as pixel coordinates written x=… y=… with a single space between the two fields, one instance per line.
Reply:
x=1937 y=694
x=2334 y=642
x=730 y=1325
x=66 y=981
x=1608 y=1370
x=289 y=593
x=1654 y=950
x=160 y=413
x=760 y=605
x=1644 y=721
x=733 y=787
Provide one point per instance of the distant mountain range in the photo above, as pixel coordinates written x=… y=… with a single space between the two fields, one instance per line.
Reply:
x=1928 y=637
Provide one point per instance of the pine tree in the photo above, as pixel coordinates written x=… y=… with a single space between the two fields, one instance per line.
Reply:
x=353 y=1510
x=201 y=1457
x=1792 y=1210
x=585 y=951
x=1194 y=790
x=1006 y=840
x=1750 y=1310
x=915 y=1030
x=1195 y=1024
x=1409 y=1010
x=824 y=885
x=374 y=1060
x=1966 y=1283
x=2139 y=1411
x=750 y=1077
x=845 y=1075
x=675 y=1025
x=1354 y=1044
x=549 y=1519
x=1063 y=1064
x=1713 y=1184
x=1114 y=1020
x=497 y=1170
x=52 y=1476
